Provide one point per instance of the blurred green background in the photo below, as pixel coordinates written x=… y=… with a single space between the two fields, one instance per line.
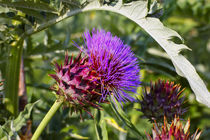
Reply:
x=190 y=18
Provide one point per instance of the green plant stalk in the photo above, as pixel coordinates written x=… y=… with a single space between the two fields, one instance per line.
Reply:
x=135 y=118
x=96 y=122
x=12 y=76
x=47 y=118
x=100 y=125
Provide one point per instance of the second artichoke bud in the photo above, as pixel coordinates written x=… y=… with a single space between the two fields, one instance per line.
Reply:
x=162 y=99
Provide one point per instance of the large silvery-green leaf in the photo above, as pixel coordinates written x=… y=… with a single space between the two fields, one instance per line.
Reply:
x=183 y=67
x=137 y=12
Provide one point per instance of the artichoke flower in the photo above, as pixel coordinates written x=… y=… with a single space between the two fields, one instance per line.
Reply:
x=107 y=67
x=162 y=99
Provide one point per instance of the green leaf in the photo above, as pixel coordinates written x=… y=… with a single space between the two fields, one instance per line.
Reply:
x=72 y=131
x=14 y=17
x=100 y=125
x=2 y=27
x=111 y=121
x=3 y=133
x=11 y=127
x=159 y=65
x=41 y=11
x=37 y=6
x=23 y=116
x=72 y=2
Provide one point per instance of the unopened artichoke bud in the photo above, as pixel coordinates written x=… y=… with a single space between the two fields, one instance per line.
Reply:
x=162 y=99
x=174 y=131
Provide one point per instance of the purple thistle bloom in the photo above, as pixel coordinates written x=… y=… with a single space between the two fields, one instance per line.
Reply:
x=114 y=62
x=108 y=67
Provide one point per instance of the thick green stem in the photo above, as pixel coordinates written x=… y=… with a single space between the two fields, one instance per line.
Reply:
x=47 y=118
x=12 y=76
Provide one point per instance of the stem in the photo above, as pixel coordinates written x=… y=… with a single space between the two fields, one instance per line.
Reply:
x=47 y=118
x=97 y=126
x=68 y=14
x=12 y=76
x=50 y=22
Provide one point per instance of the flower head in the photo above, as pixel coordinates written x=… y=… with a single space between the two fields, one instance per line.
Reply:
x=174 y=131
x=77 y=83
x=114 y=62
x=107 y=67
x=163 y=99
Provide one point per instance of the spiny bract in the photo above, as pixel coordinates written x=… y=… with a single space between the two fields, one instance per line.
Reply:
x=77 y=83
x=174 y=131
x=162 y=99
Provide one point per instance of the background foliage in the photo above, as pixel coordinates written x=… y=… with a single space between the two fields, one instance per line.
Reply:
x=190 y=18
